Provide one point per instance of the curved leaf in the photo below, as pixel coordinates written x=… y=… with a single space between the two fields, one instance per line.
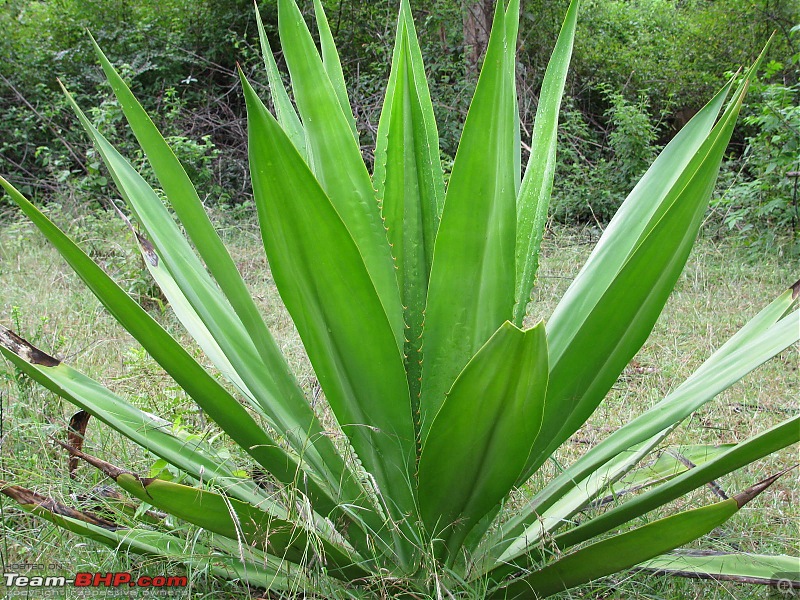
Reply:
x=325 y=285
x=628 y=549
x=481 y=437
x=338 y=165
x=533 y=200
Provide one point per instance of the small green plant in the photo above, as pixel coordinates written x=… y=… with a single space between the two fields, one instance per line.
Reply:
x=411 y=301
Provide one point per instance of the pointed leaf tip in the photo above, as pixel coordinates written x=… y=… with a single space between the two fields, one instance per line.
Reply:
x=747 y=495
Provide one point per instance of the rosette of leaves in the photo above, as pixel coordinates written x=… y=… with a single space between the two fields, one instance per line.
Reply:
x=410 y=300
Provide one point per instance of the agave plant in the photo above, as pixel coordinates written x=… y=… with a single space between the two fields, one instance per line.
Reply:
x=410 y=298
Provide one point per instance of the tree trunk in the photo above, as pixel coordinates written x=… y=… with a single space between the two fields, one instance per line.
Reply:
x=477 y=25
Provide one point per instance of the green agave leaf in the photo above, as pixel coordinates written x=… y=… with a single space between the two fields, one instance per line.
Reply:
x=232 y=518
x=766 y=335
x=198 y=384
x=273 y=573
x=482 y=435
x=410 y=185
x=597 y=334
x=512 y=32
x=533 y=200
x=529 y=543
x=338 y=165
x=284 y=109
x=471 y=290
x=184 y=199
x=628 y=549
x=781 y=436
x=145 y=429
x=274 y=389
x=781 y=571
x=327 y=290
x=333 y=66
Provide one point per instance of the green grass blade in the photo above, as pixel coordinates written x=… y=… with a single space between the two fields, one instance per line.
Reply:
x=332 y=64
x=598 y=334
x=338 y=165
x=533 y=200
x=284 y=109
x=781 y=571
x=482 y=435
x=471 y=291
x=325 y=285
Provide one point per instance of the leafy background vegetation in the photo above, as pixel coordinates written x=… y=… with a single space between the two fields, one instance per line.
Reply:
x=640 y=69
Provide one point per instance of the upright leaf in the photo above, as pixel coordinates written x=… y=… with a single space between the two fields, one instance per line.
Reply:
x=408 y=178
x=332 y=64
x=284 y=110
x=325 y=285
x=596 y=333
x=471 y=290
x=246 y=343
x=483 y=433
x=533 y=200
x=338 y=165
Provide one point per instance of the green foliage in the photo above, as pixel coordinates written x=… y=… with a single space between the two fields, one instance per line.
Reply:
x=760 y=206
x=403 y=291
x=595 y=173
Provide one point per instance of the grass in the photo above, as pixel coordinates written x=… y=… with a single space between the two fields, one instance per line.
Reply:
x=42 y=300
